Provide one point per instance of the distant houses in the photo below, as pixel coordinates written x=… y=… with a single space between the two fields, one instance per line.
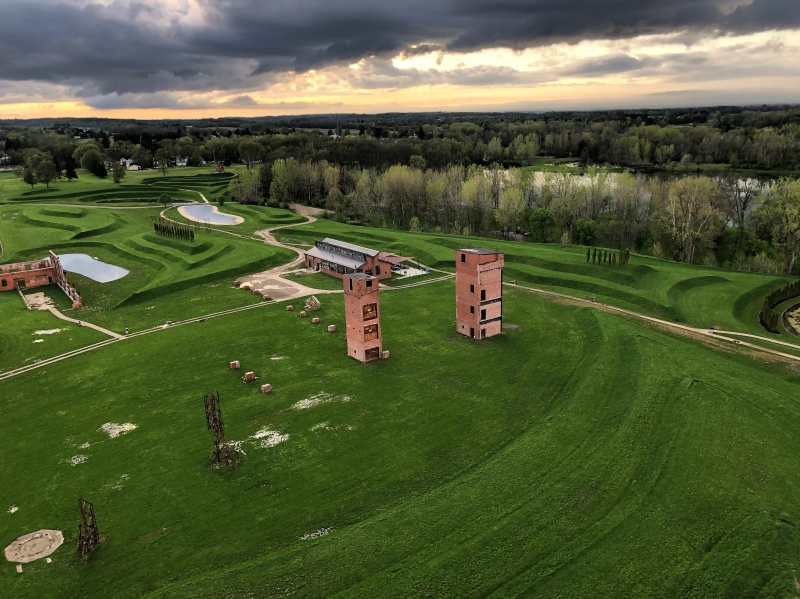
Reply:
x=129 y=165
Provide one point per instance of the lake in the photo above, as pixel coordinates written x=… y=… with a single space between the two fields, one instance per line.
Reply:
x=207 y=213
x=84 y=264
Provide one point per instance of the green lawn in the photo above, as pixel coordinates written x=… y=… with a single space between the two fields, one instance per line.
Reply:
x=137 y=187
x=694 y=295
x=583 y=455
x=256 y=218
x=317 y=280
x=188 y=279
x=20 y=346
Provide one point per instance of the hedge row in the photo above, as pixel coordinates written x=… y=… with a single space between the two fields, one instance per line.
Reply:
x=768 y=317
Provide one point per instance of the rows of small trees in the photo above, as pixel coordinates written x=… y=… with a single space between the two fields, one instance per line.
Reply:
x=171 y=230
x=768 y=316
x=607 y=257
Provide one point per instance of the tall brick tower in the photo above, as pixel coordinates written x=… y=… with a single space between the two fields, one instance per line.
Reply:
x=362 y=314
x=479 y=293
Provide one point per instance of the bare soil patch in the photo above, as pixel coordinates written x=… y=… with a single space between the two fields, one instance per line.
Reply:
x=34 y=545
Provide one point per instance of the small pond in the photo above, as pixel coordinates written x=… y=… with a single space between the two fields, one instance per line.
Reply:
x=206 y=213
x=85 y=265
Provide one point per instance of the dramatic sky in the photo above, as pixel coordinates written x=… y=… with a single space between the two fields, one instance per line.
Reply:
x=189 y=58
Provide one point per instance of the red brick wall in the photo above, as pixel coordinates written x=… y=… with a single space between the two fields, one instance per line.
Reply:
x=479 y=272
x=354 y=301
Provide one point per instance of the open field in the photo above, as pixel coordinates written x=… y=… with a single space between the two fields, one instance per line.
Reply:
x=694 y=295
x=583 y=455
x=19 y=345
x=186 y=275
x=317 y=280
x=136 y=188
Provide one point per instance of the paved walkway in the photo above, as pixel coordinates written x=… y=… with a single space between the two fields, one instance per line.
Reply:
x=83 y=323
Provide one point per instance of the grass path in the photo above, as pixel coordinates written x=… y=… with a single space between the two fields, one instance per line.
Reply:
x=667 y=323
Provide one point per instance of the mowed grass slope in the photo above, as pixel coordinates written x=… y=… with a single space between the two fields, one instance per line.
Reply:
x=694 y=295
x=191 y=278
x=19 y=345
x=137 y=187
x=581 y=456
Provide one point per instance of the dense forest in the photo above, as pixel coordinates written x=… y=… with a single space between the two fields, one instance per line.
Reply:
x=639 y=180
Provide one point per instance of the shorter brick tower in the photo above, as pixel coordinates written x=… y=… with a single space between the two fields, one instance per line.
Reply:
x=363 y=317
x=479 y=293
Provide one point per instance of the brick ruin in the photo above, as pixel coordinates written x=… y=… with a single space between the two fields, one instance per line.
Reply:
x=36 y=273
x=479 y=293
x=362 y=313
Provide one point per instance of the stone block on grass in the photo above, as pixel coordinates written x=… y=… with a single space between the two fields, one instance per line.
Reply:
x=249 y=377
x=235 y=365
x=266 y=388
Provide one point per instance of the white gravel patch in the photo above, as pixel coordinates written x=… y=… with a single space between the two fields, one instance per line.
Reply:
x=84 y=446
x=269 y=438
x=112 y=429
x=13 y=509
x=315 y=535
x=47 y=332
x=78 y=459
x=38 y=340
x=317 y=400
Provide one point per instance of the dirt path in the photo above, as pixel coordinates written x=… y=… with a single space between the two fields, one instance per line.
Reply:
x=83 y=323
x=270 y=282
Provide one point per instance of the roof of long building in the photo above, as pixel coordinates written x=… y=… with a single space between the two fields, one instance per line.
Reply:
x=351 y=246
x=335 y=258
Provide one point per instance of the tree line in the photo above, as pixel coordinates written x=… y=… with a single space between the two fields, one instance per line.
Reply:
x=719 y=221
x=684 y=140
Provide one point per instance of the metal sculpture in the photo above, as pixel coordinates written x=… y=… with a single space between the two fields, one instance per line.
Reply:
x=88 y=535
x=222 y=453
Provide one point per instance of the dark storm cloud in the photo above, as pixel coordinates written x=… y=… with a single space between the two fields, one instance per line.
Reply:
x=606 y=66
x=134 y=47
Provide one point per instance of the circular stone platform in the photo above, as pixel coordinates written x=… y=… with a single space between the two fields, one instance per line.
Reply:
x=34 y=545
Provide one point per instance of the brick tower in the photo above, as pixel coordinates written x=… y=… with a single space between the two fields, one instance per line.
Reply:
x=479 y=293
x=362 y=314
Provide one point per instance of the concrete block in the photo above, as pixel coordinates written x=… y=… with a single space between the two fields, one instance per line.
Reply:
x=256 y=292
x=331 y=328
x=236 y=283
x=315 y=321
x=266 y=388
x=266 y=297
x=290 y=308
x=385 y=354
x=235 y=365
x=303 y=314
x=249 y=376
